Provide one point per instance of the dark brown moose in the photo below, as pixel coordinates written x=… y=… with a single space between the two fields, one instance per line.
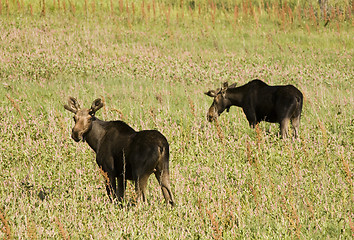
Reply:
x=260 y=102
x=121 y=152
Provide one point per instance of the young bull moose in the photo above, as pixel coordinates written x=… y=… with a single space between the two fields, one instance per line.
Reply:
x=260 y=102
x=122 y=152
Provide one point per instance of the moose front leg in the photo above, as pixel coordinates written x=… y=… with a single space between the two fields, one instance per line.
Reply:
x=111 y=187
x=108 y=172
x=251 y=117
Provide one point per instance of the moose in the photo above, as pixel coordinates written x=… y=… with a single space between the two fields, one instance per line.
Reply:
x=260 y=102
x=123 y=153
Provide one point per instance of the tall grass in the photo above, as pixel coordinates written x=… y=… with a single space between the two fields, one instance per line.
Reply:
x=151 y=61
x=147 y=12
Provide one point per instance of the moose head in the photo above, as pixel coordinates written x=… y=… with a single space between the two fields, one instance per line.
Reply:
x=220 y=103
x=83 y=117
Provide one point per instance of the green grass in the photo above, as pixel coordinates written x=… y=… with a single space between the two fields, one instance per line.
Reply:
x=229 y=182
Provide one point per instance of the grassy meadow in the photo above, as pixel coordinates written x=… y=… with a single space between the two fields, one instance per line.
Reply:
x=151 y=62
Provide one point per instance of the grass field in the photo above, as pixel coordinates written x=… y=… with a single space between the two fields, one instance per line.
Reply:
x=151 y=62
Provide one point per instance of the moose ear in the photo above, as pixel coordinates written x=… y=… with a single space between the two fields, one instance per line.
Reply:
x=233 y=85
x=224 y=88
x=210 y=93
x=73 y=105
x=96 y=105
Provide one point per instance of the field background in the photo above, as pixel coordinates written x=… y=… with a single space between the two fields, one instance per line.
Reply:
x=151 y=61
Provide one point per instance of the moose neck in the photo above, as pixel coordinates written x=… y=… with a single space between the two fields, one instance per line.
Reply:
x=235 y=96
x=94 y=136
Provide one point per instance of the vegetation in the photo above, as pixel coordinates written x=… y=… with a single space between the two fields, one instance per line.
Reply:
x=151 y=61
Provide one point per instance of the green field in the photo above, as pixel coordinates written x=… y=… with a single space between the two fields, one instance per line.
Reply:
x=151 y=62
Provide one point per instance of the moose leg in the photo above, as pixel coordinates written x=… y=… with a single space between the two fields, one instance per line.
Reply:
x=107 y=170
x=251 y=117
x=111 y=187
x=295 y=122
x=140 y=186
x=163 y=177
x=284 y=125
x=122 y=183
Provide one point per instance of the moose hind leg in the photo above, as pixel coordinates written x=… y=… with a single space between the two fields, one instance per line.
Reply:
x=284 y=126
x=295 y=122
x=163 y=177
x=140 y=187
x=122 y=183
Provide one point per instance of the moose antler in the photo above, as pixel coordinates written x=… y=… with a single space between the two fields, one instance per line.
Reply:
x=96 y=105
x=210 y=93
x=73 y=105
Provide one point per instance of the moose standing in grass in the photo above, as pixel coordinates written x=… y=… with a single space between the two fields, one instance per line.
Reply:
x=122 y=152
x=260 y=102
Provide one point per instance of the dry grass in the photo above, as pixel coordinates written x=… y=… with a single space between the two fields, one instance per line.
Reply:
x=6 y=227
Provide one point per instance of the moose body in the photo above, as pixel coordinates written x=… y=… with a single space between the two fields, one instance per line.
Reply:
x=123 y=153
x=260 y=102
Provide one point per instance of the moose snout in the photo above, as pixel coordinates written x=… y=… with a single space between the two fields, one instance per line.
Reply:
x=211 y=118
x=76 y=135
x=212 y=115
